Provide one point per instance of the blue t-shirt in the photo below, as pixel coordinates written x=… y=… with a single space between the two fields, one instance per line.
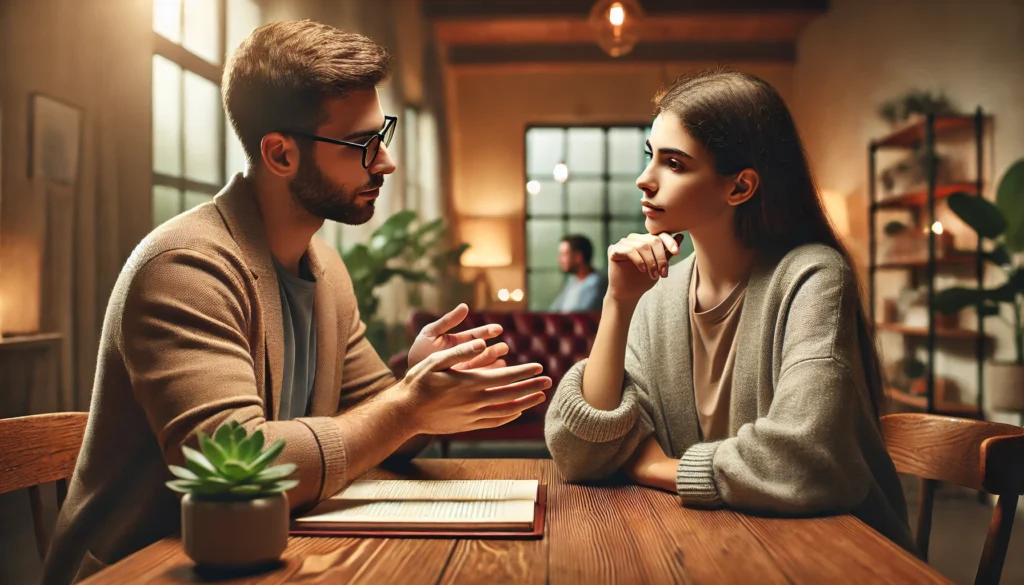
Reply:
x=581 y=296
x=297 y=293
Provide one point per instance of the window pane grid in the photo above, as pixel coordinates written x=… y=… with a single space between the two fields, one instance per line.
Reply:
x=599 y=199
x=193 y=145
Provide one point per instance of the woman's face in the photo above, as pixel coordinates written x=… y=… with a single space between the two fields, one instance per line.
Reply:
x=682 y=190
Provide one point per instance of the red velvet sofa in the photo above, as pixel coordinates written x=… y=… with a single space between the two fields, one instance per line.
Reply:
x=554 y=340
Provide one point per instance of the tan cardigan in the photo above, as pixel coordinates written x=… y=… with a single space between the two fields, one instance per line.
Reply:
x=802 y=435
x=192 y=338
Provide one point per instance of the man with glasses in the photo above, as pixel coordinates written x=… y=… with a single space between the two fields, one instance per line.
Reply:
x=234 y=311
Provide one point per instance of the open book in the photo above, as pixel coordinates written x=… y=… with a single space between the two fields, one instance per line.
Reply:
x=424 y=506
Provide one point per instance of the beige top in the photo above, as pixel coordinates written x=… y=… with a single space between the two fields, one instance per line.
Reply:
x=714 y=352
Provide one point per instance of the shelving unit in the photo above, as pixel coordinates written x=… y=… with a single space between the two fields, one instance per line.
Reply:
x=920 y=204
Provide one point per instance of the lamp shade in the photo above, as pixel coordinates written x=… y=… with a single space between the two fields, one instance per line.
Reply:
x=489 y=239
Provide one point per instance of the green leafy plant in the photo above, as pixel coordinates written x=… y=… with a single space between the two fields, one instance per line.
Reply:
x=232 y=466
x=1002 y=224
x=402 y=247
x=915 y=101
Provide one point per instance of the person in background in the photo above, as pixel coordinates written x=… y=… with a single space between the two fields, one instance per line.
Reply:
x=745 y=376
x=584 y=287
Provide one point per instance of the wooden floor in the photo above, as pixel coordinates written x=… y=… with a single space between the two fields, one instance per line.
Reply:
x=960 y=523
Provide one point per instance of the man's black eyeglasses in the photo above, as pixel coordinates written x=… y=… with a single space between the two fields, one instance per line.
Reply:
x=370 y=148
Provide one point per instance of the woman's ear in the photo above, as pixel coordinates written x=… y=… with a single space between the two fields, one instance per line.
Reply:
x=745 y=184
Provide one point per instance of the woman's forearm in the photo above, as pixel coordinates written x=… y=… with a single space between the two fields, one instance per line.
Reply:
x=603 y=374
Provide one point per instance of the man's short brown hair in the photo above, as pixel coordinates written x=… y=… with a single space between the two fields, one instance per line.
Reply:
x=279 y=77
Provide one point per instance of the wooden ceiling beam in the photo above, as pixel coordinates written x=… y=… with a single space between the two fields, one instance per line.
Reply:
x=780 y=26
x=548 y=53
x=462 y=9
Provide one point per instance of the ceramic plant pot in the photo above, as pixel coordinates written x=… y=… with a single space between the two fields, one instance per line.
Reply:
x=229 y=534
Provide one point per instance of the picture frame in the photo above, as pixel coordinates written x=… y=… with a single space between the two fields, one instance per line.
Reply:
x=55 y=139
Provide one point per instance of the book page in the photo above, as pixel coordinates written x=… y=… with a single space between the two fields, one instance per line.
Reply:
x=419 y=512
x=440 y=490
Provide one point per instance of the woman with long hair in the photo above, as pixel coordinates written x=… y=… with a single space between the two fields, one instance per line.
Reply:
x=746 y=375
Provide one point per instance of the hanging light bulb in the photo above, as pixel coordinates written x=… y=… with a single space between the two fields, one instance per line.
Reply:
x=561 y=172
x=617 y=25
x=533 y=187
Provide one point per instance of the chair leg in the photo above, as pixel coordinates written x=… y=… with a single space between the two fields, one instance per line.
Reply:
x=36 y=504
x=924 y=517
x=992 y=556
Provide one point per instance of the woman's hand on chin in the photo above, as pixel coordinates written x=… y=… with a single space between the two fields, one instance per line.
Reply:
x=636 y=262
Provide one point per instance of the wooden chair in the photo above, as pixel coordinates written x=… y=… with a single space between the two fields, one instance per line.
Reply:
x=979 y=455
x=39 y=449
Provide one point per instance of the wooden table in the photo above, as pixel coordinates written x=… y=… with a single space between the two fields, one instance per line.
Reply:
x=594 y=534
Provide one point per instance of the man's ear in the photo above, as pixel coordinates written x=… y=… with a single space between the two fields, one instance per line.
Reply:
x=744 y=186
x=280 y=154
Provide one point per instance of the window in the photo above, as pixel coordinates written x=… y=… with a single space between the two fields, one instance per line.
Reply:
x=194 y=147
x=599 y=199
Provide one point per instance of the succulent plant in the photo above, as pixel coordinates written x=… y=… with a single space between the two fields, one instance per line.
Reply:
x=232 y=466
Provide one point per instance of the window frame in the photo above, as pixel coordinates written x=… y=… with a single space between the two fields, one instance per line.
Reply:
x=189 y=61
x=605 y=217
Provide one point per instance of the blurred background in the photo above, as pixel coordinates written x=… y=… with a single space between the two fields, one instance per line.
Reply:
x=520 y=122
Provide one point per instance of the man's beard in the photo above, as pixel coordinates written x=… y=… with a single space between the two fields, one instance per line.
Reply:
x=315 y=193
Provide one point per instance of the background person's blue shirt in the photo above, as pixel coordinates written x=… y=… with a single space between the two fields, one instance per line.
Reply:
x=580 y=296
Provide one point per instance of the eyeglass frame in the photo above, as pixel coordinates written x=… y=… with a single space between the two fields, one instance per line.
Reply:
x=383 y=137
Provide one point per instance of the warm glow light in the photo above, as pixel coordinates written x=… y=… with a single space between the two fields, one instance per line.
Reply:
x=517 y=295
x=503 y=295
x=533 y=187
x=490 y=241
x=616 y=15
x=561 y=173
x=937 y=227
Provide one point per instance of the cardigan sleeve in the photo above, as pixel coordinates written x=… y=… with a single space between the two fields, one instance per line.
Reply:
x=587 y=443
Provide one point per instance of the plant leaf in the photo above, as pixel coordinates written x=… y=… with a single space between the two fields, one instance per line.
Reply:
x=989 y=310
x=267 y=456
x=184 y=486
x=238 y=436
x=979 y=213
x=223 y=437
x=253 y=445
x=213 y=451
x=197 y=463
x=183 y=473
x=1010 y=201
x=281 y=486
x=236 y=470
x=275 y=473
x=246 y=490
x=998 y=256
x=952 y=300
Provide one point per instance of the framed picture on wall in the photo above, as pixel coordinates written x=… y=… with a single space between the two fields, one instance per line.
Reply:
x=55 y=138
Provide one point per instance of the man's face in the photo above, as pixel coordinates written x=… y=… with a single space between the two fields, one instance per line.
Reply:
x=332 y=183
x=568 y=260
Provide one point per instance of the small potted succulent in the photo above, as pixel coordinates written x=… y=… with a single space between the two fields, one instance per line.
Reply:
x=235 y=512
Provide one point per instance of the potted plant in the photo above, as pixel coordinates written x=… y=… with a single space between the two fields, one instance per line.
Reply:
x=235 y=512
x=1002 y=224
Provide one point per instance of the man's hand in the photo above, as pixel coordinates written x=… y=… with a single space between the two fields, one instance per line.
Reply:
x=437 y=399
x=435 y=337
x=651 y=467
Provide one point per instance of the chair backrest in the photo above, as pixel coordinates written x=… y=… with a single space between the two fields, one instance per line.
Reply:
x=40 y=449
x=976 y=454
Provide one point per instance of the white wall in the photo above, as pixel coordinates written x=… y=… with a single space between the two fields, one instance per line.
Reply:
x=866 y=51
